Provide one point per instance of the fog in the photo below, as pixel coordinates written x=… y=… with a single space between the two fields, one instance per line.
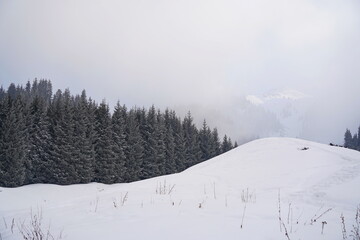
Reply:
x=202 y=56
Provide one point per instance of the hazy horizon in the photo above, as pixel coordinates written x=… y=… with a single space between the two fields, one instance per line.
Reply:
x=204 y=56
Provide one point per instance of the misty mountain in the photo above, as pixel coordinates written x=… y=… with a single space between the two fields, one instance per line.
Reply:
x=289 y=106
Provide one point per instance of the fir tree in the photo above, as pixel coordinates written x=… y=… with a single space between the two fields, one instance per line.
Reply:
x=161 y=148
x=180 y=148
x=118 y=125
x=226 y=144
x=192 y=146
x=12 y=143
x=11 y=92
x=2 y=93
x=64 y=139
x=39 y=165
x=206 y=144
x=135 y=150
x=150 y=162
x=358 y=142
x=170 y=164
x=105 y=170
x=216 y=145
x=83 y=156
x=90 y=131
x=348 y=139
x=69 y=150
x=62 y=147
x=28 y=91
x=231 y=146
x=354 y=141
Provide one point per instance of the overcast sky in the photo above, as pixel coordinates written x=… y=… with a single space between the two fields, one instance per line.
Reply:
x=205 y=56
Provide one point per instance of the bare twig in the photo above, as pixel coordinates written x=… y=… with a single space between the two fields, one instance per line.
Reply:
x=291 y=221
x=124 y=199
x=286 y=232
x=322 y=226
x=33 y=229
x=315 y=219
x=12 y=225
x=171 y=189
x=115 y=202
x=202 y=204
x=246 y=196
x=5 y=223
x=163 y=189
x=96 y=204
x=279 y=211
x=242 y=219
x=343 y=227
x=355 y=232
x=288 y=216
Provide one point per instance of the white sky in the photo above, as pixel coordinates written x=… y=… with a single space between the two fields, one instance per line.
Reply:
x=204 y=56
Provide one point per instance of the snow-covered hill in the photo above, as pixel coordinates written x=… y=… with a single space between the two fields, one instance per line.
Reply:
x=237 y=195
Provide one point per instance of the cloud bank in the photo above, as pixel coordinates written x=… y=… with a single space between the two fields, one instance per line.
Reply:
x=203 y=56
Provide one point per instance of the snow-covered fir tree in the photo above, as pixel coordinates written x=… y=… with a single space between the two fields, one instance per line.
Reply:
x=65 y=139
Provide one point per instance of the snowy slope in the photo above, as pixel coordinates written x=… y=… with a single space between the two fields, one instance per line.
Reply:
x=208 y=201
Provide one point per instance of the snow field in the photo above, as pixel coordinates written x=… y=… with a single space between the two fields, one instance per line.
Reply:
x=236 y=195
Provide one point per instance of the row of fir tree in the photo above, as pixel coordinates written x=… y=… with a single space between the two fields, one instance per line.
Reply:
x=352 y=141
x=65 y=139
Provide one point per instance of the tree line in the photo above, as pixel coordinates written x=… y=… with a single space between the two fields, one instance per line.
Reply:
x=352 y=141
x=68 y=139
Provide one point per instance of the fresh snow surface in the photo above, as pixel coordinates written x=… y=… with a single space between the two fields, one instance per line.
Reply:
x=211 y=200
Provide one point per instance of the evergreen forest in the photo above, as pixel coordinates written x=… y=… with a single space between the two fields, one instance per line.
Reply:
x=69 y=139
x=352 y=141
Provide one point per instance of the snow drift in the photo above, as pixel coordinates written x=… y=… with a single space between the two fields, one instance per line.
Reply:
x=274 y=188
